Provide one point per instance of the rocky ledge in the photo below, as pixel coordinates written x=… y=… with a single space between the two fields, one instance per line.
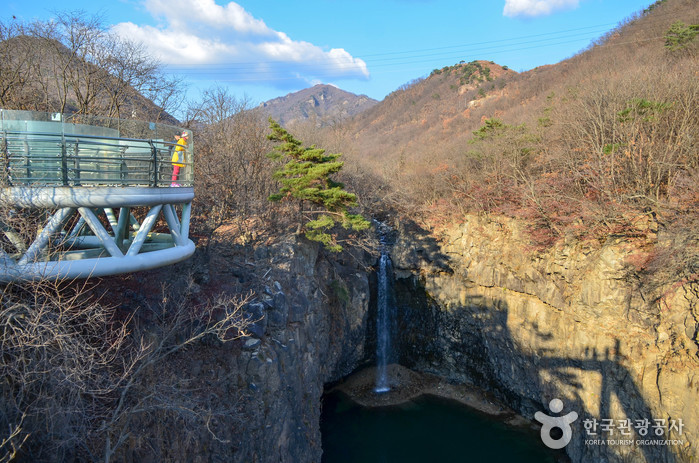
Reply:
x=406 y=385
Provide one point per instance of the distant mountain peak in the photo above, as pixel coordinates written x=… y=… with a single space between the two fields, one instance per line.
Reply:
x=322 y=103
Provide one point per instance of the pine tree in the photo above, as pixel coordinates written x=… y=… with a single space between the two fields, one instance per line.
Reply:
x=680 y=35
x=306 y=177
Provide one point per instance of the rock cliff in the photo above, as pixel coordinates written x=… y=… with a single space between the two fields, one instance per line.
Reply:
x=570 y=323
x=476 y=307
x=311 y=312
x=313 y=331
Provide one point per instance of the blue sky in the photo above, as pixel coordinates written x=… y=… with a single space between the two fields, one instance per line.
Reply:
x=264 y=49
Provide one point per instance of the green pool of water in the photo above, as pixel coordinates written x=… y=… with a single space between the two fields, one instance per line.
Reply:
x=428 y=429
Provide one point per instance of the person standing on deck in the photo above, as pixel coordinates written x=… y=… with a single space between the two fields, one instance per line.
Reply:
x=178 y=157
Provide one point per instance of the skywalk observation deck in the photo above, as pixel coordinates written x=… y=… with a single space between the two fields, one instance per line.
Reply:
x=86 y=196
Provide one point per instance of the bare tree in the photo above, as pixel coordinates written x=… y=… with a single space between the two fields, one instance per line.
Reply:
x=232 y=170
x=74 y=370
x=75 y=64
x=16 y=63
x=130 y=71
x=175 y=326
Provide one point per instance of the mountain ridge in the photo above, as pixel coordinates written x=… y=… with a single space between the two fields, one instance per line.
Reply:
x=321 y=104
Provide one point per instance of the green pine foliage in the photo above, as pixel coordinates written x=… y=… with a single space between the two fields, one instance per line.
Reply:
x=489 y=128
x=680 y=35
x=306 y=177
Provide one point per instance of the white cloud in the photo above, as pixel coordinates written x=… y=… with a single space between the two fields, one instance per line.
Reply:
x=205 y=14
x=533 y=8
x=230 y=42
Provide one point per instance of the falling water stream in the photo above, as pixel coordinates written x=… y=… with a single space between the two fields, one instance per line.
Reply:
x=383 y=323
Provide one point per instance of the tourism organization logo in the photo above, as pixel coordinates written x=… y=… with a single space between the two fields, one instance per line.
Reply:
x=607 y=431
x=552 y=422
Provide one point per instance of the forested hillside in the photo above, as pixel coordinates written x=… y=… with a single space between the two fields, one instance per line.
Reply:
x=585 y=147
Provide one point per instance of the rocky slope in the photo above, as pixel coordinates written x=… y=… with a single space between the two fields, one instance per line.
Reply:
x=568 y=324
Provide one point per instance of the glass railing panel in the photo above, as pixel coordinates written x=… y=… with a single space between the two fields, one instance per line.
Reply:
x=81 y=150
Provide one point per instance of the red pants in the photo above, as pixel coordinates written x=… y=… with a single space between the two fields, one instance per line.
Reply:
x=175 y=173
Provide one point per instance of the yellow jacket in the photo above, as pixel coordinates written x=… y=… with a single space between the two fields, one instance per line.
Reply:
x=180 y=148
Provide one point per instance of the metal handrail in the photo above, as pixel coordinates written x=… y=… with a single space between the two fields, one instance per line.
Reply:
x=59 y=159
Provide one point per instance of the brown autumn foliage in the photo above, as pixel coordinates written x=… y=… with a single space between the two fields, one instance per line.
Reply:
x=584 y=147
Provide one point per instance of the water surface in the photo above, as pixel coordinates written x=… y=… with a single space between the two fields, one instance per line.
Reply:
x=428 y=429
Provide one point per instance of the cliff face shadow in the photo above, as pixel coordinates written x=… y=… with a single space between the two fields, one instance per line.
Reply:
x=424 y=250
x=473 y=343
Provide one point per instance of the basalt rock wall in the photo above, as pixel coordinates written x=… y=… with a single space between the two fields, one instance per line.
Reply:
x=479 y=306
x=314 y=328
x=311 y=311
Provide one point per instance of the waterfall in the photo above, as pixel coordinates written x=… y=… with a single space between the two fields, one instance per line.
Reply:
x=383 y=323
